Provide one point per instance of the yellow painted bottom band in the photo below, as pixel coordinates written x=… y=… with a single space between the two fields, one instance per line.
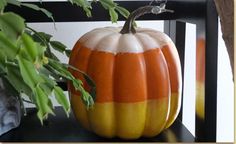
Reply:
x=124 y=120
x=175 y=103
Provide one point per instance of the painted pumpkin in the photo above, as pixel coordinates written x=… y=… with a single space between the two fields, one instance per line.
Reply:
x=138 y=82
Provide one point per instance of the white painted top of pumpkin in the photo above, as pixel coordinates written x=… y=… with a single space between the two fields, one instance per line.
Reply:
x=109 y=39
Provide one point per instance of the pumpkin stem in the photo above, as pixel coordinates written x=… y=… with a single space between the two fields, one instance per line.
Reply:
x=129 y=27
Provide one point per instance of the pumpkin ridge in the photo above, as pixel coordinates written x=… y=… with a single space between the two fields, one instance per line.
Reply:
x=123 y=109
x=113 y=94
x=147 y=92
x=101 y=64
x=84 y=82
x=101 y=69
x=147 y=42
x=161 y=38
x=171 y=54
x=129 y=78
x=82 y=54
x=128 y=43
x=74 y=53
x=91 y=40
x=174 y=66
x=158 y=98
x=110 y=41
x=86 y=36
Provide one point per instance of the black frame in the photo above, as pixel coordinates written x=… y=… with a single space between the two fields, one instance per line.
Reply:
x=199 y=12
x=207 y=28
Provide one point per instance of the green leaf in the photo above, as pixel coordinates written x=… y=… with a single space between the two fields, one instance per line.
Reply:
x=62 y=70
x=84 y=4
x=108 y=4
x=61 y=99
x=47 y=13
x=2 y=60
x=46 y=36
x=46 y=88
x=29 y=73
x=14 y=2
x=9 y=87
x=113 y=15
x=44 y=71
x=12 y=24
x=48 y=85
x=43 y=104
x=16 y=80
x=41 y=37
x=68 y=52
x=29 y=46
x=31 y=50
x=88 y=79
x=7 y=46
x=58 y=71
x=58 y=46
x=37 y=8
x=52 y=72
x=41 y=50
x=86 y=98
x=113 y=7
x=32 y=6
x=124 y=12
x=87 y=11
x=3 y=3
x=51 y=55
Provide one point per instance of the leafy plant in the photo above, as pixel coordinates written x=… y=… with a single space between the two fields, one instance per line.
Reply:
x=31 y=68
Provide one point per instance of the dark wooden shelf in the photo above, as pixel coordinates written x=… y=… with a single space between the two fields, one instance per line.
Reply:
x=59 y=128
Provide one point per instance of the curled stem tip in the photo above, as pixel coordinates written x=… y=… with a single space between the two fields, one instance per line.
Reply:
x=128 y=26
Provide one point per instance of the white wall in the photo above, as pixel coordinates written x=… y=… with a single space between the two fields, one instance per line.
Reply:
x=225 y=98
x=189 y=92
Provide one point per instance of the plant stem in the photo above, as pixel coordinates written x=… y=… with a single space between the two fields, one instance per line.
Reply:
x=128 y=26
